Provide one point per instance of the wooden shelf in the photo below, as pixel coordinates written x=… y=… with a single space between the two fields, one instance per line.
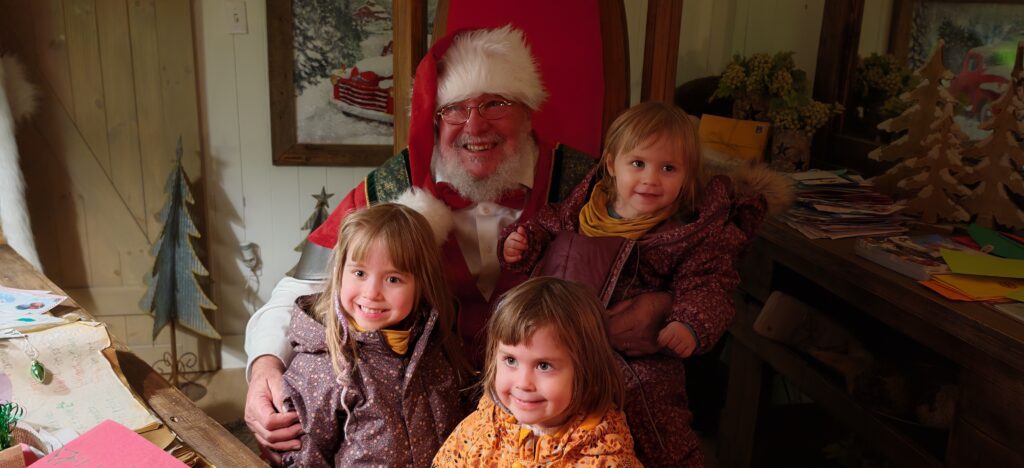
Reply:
x=889 y=441
x=982 y=346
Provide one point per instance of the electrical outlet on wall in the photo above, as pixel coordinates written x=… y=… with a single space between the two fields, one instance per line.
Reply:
x=238 y=23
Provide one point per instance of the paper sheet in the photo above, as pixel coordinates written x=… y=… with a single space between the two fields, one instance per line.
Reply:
x=987 y=265
x=108 y=445
x=80 y=390
x=980 y=288
x=13 y=300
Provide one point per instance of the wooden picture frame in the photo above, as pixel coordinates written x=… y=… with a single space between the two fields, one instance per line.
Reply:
x=902 y=14
x=286 y=149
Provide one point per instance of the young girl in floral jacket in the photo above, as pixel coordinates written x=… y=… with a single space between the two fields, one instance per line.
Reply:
x=551 y=385
x=378 y=365
x=645 y=219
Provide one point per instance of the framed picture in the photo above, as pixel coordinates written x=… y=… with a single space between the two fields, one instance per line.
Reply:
x=331 y=93
x=980 y=40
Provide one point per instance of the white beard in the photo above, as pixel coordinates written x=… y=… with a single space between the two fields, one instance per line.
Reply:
x=489 y=188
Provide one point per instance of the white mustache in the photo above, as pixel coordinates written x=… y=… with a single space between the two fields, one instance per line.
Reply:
x=463 y=140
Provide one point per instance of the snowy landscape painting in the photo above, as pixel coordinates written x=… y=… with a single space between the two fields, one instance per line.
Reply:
x=342 y=72
x=980 y=47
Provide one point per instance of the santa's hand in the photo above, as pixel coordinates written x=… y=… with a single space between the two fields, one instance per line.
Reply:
x=274 y=429
x=678 y=339
x=515 y=245
x=633 y=324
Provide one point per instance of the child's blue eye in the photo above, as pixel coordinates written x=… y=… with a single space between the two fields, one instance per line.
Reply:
x=509 y=361
x=544 y=367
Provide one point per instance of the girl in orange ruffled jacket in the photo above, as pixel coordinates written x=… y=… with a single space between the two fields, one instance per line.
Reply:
x=552 y=388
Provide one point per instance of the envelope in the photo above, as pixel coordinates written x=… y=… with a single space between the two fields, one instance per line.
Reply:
x=741 y=139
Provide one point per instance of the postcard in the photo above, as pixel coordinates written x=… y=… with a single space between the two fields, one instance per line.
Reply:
x=21 y=301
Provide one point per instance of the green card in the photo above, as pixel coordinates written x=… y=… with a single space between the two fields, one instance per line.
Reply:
x=1001 y=246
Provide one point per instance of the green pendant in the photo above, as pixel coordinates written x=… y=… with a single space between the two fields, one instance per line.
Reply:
x=38 y=371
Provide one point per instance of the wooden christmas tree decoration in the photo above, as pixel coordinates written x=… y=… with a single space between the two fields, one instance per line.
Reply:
x=320 y=214
x=927 y=100
x=928 y=154
x=937 y=188
x=174 y=296
x=1001 y=158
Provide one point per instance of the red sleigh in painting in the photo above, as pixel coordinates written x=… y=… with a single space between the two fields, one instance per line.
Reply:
x=982 y=78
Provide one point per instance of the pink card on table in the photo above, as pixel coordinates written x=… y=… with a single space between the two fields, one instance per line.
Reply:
x=109 y=445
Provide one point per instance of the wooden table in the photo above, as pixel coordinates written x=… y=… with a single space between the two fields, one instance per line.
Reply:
x=984 y=345
x=172 y=407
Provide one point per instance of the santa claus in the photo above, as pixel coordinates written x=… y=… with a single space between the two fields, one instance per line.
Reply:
x=473 y=166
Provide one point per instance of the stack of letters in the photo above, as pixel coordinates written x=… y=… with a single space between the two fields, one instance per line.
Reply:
x=833 y=205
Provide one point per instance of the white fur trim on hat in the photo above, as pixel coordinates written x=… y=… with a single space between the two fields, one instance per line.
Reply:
x=494 y=61
x=437 y=213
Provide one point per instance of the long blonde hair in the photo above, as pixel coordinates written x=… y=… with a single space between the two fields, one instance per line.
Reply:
x=408 y=240
x=653 y=119
x=577 y=319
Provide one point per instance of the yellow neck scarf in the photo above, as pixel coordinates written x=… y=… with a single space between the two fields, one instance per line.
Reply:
x=596 y=222
x=398 y=340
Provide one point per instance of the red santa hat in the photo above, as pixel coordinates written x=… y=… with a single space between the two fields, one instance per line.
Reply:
x=463 y=65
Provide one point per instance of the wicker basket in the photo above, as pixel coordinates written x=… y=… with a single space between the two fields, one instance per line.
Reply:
x=12 y=457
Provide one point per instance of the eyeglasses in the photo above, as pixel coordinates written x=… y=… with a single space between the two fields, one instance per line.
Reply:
x=458 y=114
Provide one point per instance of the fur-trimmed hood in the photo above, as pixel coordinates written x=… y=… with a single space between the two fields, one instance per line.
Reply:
x=749 y=176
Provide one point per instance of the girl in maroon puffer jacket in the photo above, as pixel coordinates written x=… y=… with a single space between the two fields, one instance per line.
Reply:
x=647 y=220
x=378 y=365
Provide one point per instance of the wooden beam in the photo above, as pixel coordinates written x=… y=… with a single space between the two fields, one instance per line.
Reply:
x=440 y=20
x=615 y=50
x=409 y=19
x=837 y=59
x=837 y=52
x=899 y=28
x=661 y=49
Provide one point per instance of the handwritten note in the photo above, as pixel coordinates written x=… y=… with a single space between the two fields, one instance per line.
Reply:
x=80 y=389
x=109 y=445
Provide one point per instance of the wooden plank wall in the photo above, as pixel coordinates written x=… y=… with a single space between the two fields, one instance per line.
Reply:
x=118 y=87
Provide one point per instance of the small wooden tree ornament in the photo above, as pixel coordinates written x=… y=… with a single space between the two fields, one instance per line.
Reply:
x=1001 y=157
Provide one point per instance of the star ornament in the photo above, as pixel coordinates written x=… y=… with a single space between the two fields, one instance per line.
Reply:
x=323 y=196
x=782 y=148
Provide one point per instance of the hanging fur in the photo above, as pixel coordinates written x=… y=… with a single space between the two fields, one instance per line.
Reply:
x=17 y=102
